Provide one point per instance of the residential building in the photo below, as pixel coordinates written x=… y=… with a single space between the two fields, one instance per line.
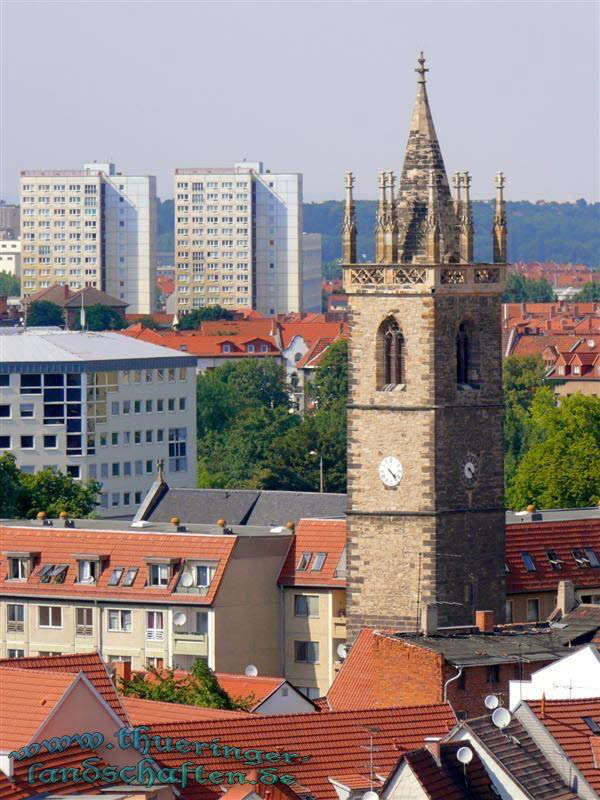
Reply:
x=313 y=586
x=72 y=302
x=90 y=227
x=238 y=238
x=425 y=451
x=545 y=549
x=312 y=271
x=159 y=597
x=577 y=370
x=9 y=221
x=10 y=256
x=97 y=405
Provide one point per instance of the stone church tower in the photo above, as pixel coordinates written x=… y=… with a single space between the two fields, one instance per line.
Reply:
x=425 y=449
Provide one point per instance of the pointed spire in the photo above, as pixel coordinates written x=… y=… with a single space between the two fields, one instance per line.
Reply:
x=349 y=224
x=499 y=228
x=380 y=216
x=422 y=155
x=466 y=221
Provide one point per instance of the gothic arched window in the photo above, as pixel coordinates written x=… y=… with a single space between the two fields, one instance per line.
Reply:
x=391 y=356
x=462 y=354
x=468 y=367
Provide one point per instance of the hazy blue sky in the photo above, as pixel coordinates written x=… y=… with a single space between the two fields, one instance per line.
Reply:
x=317 y=88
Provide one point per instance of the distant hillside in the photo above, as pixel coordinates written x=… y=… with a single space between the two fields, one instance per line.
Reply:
x=561 y=232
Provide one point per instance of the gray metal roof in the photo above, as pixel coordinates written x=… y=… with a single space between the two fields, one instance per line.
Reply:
x=245 y=506
x=553 y=515
x=125 y=525
x=514 y=748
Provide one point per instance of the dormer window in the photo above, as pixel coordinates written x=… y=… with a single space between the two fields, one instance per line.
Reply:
x=227 y=348
x=576 y=369
x=87 y=571
x=158 y=575
x=250 y=348
x=204 y=575
x=264 y=348
x=561 y=370
x=18 y=569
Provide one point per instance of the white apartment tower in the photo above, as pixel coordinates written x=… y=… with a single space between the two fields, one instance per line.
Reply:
x=238 y=238
x=90 y=227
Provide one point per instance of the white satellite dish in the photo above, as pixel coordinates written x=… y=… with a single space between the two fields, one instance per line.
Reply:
x=187 y=579
x=277 y=529
x=370 y=795
x=251 y=671
x=501 y=717
x=342 y=651
x=180 y=618
x=491 y=702
x=464 y=755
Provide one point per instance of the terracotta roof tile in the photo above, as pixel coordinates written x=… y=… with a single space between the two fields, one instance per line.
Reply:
x=316 y=536
x=123 y=549
x=564 y=720
x=449 y=780
x=91 y=664
x=353 y=685
x=242 y=686
x=335 y=743
x=20 y=788
x=26 y=700
x=150 y=712
x=561 y=538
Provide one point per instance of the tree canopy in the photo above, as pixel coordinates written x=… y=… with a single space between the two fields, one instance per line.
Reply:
x=41 y=313
x=525 y=290
x=191 y=321
x=590 y=292
x=9 y=285
x=101 y=318
x=23 y=495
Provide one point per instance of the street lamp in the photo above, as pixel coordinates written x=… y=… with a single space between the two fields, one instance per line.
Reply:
x=315 y=453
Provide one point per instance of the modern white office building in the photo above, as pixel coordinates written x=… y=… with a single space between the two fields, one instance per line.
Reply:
x=312 y=270
x=238 y=238
x=90 y=227
x=98 y=405
x=10 y=256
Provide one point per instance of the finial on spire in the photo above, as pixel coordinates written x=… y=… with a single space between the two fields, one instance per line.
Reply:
x=349 y=180
x=421 y=69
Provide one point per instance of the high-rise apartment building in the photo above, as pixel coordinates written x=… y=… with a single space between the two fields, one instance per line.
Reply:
x=238 y=238
x=9 y=220
x=90 y=227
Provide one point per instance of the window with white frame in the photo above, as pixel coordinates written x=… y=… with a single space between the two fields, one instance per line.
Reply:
x=50 y=616
x=119 y=619
x=15 y=617
x=154 y=626
x=158 y=575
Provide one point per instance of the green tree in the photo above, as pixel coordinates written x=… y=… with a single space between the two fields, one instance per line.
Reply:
x=9 y=285
x=590 y=292
x=525 y=290
x=54 y=492
x=42 y=313
x=191 y=321
x=11 y=488
x=200 y=687
x=561 y=468
x=101 y=318
x=148 y=322
x=330 y=383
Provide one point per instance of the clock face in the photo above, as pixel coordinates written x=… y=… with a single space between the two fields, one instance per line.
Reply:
x=469 y=469
x=390 y=471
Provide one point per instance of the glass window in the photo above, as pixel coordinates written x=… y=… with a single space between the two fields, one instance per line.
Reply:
x=528 y=562
x=18 y=569
x=84 y=621
x=533 y=610
x=149 y=406
x=50 y=441
x=50 y=616
x=318 y=562
x=130 y=576
x=158 y=575
x=119 y=619
x=115 y=576
x=304 y=562
x=4 y=442
x=306 y=652
x=306 y=605
x=202 y=622
x=27 y=409
x=27 y=442
x=87 y=571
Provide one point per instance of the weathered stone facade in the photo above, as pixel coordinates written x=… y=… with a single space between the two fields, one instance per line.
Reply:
x=437 y=536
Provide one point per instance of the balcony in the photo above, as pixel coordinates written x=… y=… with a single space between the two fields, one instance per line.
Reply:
x=15 y=627
x=84 y=630
x=369 y=278
x=155 y=634
x=192 y=644
x=339 y=627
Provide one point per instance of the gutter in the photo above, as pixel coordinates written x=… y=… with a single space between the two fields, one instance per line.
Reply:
x=450 y=680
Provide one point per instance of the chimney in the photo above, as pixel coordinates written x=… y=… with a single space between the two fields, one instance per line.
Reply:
x=565 y=598
x=122 y=671
x=484 y=620
x=434 y=745
x=429 y=619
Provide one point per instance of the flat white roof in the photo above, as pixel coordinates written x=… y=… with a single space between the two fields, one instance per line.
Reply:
x=53 y=345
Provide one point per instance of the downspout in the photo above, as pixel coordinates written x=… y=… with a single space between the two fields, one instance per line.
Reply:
x=449 y=681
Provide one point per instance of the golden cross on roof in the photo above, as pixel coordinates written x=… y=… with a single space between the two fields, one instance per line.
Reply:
x=421 y=69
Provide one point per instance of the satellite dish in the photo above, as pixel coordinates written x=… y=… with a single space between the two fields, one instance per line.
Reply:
x=251 y=671
x=180 y=618
x=491 y=702
x=501 y=717
x=187 y=579
x=342 y=651
x=464 y=755
x=370 y=795
x=277 y=529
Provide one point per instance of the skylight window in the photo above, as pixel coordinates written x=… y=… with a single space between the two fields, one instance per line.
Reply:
x=130 y=576
x=59 y=573
x=592 y=557
x=304 y=562
x=592 y=724
x=318 y=562
x=528 y=562
x=554 y=560
x=45 y=572
x=115 y=576
x=580 y=557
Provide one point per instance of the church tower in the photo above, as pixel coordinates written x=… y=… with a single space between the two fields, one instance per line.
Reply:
x=425 y=450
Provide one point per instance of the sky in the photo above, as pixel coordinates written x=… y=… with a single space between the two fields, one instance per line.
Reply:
x=313 y=87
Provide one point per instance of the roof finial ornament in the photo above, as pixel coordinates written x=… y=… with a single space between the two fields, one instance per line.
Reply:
x=421 y=69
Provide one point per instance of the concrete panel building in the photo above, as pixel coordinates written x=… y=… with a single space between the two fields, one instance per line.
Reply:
x=91 y=227
x=101 y=406
x=10 y=256
x=238 y=238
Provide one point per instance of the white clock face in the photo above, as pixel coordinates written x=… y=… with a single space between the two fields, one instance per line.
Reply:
x=390 y=471
x=469 y=469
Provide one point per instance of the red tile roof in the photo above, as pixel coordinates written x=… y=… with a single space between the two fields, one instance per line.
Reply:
x=335 y=743
x=20 y=788
x=122 y=549
x=561 y=537
x=354 y=685
x=316 y=536
x=449 y=780
x=26 y=700
x=244 y=687
x=91 y=664
x=564 y=720
x=150 y=712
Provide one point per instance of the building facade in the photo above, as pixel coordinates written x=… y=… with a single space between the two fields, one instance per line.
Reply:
x=97 y=405
x=9 y=220
x=90 y=227
x=312 y=260
x=425 y=448
x=10 y=256
x=238 y=238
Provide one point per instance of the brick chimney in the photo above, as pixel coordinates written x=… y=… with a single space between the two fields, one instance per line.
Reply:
x=429 y=619
x=565 y=597
x=434 y=745
x=484 y=620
